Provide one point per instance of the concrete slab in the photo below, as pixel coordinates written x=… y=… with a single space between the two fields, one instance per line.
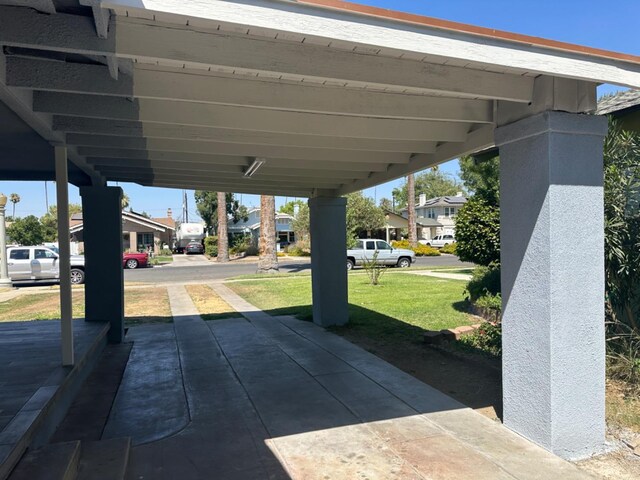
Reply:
x=277 y=398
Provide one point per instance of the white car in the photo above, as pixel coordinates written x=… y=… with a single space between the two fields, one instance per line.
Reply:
x=36 y=264
x=439 y=241
x=387 y=255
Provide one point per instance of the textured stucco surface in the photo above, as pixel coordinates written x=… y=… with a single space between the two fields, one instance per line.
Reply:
x=328 y=260
x=102 y=219
x=552 y=244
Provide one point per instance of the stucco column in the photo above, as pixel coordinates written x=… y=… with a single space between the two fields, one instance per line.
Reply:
x=328 y=260
x=133 y=242
x=103 y=246
x=552 y=253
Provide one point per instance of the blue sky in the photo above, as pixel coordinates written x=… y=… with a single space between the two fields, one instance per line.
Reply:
x=608 y=25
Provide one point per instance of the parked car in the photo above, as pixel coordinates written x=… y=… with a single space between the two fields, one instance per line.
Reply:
x=39 y=263
x=135 y=260
x=387 y=255
x=194 y=247
x=439 y=241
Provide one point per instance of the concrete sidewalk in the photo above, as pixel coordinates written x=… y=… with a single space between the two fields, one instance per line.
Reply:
x=278 y=398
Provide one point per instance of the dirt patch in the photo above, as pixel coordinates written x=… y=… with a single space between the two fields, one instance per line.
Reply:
x=468 y=381
x=209 y=304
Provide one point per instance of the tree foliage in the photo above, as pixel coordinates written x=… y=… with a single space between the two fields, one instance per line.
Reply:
x=432 y=183
x=26 y=231
x=363 y=215
x=482 y=178
x=290 y=207
x=49 y=221
x=387 y=204
x=478 y=221
x=622 y=226
x=207 y=206
x=300 y=222
x=14 y=198
x=478 y=232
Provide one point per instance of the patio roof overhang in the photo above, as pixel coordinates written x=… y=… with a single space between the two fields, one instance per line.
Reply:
x=335 y=96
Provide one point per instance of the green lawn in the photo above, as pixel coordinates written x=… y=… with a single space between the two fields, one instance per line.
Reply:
x=401 y=308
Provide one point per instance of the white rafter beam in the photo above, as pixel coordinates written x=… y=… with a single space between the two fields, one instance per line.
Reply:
x=241 y=91
x=242 y=118
x=196 y=160
x=203 y=169
x=480 y=139
x=238 y=149
x=135 y=38
x=185 y=132
x=376 y=33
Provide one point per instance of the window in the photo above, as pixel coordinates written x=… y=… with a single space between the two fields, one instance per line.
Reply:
x=359 y=245
x=449 y=211
x=371 y=245
x=383 y=245
x=145 y=240
x=41 y=253
x=21 y=254
x=431 y=213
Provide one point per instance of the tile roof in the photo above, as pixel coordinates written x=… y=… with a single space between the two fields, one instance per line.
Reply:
x=619 y=101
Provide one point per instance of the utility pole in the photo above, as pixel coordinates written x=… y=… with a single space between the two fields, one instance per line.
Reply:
x=185 y=207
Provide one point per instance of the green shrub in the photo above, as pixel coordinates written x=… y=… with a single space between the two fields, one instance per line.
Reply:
x=478 y=232
x=487 y=339
x=484 y=281
x=451 y=249
x=166 y=252
x=252 y=251
x=425 y=251
x=211 y=246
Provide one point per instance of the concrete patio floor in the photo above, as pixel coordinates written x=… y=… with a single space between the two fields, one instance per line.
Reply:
x=266 y=397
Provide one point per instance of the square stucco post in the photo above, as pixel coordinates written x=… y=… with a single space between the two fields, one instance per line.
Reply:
x=328 y=260
x=103 y=246
x=552 y=254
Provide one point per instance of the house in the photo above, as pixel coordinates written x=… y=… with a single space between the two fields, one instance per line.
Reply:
x=395 y=224
x=624 y=107
x=139 y=233
x=436 y=216
x=284 y=227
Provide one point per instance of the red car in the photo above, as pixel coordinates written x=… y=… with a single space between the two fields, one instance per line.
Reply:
x=135 y=260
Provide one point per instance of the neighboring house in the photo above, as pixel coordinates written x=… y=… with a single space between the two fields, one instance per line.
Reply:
x=139 y=232
x=394 y=227
x=284 y=227
x=436 y=216
x=624 y=106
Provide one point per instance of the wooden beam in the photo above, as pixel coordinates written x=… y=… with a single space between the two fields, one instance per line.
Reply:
x=387 y=32
x=44 y=6
x=296 y=178
x=205 y=87
x=478 y=140
x=243 y=118
x=151 y=40
x=226 y=187
x=195 y=160
x=125 y=128
x=265 y=171
x=146 y=174
x=238 y=149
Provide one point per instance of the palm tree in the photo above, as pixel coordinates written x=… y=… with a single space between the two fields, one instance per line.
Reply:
x=125 y=200
x=411 y=210
x=14 y=198
x=223 y=239
x=268 y=262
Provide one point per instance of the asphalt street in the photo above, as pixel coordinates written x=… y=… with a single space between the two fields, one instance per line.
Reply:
x=196 y=268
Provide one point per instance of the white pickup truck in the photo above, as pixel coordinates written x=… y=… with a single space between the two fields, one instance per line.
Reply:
x=37 y=264
x=439 y=241
x=387 y=255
